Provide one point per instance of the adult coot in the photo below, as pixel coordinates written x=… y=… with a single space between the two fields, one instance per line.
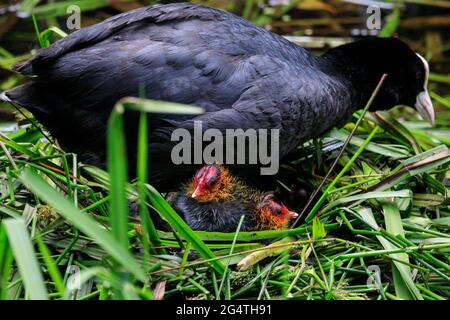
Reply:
x=242 y=75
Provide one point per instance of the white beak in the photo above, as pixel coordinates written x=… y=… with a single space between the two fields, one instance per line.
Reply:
x=195 y=193
x=293 y=214
x=424 y=107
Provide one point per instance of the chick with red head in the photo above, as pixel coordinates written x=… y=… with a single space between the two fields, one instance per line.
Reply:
x=214 y=200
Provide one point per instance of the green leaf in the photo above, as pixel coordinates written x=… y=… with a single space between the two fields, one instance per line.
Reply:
x=404 y=285
x=415 y=165
x=392 y=151
x=25 y=257
x=274 y=249
x=150 y=234
x=51 y=266
x=117 y=168
x=6 y=260
x=166 y=211
x=48 y=33
x=441 y=221
x=390 y=123
x=318 y=229
x=351 y=161
x=428 y=199
x=83 y=222
x=441 y=100
x=440 y=77
x=155 y=106
x=393 y=21
x=369 y=195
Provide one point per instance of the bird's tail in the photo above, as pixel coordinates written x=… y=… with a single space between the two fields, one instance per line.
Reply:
x=26 y=96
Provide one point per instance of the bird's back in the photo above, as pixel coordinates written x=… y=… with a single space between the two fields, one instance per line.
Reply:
x=242 y=75
x=215 y=216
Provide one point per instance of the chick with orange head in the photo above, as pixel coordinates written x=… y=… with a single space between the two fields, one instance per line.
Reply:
x=214 y=200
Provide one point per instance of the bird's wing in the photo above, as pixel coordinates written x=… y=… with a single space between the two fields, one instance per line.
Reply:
x=261 y=104
x=301 y=104
x=98 y=32
x=174 y=53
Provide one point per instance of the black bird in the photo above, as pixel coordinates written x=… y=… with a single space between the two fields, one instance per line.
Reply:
x=215 y=200
x=242 y=75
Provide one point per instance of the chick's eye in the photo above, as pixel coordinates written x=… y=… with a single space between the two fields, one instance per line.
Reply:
x=276 y=211
x=211 y=181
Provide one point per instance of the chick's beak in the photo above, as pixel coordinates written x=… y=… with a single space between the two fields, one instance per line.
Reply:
x=424 y=107
x=293 y=214
x=196 y=192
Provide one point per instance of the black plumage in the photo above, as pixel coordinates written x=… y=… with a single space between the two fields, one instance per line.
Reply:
x=213 y=216
x=242 y=75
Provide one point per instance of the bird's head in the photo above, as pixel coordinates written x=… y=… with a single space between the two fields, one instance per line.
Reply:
x=210 y=183
x=273 y=215
x=365 y=61
x=407 y=83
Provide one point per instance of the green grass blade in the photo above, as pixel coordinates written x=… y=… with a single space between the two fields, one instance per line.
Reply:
x=390 y=123
x=83 y=222
x=48 y=33
x=391 y=25
x=6 y=260
x=318 y=229
x=415 y=165
x=150 y=234
x=395 y=152
x=233 y=244
x=407 y=288
x=441 y=100
x=341 y=152
x=38 y=33
x=25 y=258
x=440 y=77
x=51 y=266
x=155 y=106
x=404 y=285
x=340 y=174
x=117 y=168
x=165 y=210
x=369 y=195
